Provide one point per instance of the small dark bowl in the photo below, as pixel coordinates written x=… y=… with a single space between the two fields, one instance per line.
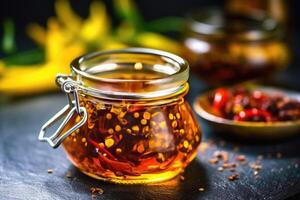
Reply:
x=255 y=130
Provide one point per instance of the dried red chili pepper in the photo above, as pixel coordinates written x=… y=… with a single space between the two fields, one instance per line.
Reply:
x=101 y=149
x=258 y=95
x=241 y=104
x=111 y=162
x=248 y=114
x=98 y=164
x=220 y=98
x=135 y=108
x=116 y=166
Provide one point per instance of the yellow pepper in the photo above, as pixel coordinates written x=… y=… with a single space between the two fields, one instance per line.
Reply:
x=97 y=25
x=66 y=15
x=37 y=81
x=37 y=33
x=156 y=41
x=69 y=36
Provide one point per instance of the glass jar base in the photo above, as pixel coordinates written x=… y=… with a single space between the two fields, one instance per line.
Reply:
x=142 y=179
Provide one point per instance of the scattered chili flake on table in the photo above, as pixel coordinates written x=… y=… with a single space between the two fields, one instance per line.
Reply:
x=229 y=162
x=241 y=159
x=233 y=177
x=96 y=191
x=221 y=155
x=241 y=104
x=213 y=161
x=256 y=166
x=229 y=165
x=220 y=169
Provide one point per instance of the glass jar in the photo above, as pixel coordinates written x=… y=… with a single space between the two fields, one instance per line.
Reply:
x=127 y=120
x=228 y=48
x=278 y=9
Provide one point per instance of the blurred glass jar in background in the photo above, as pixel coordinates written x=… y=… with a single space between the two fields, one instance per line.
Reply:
x=275 y=8
x=228 y=48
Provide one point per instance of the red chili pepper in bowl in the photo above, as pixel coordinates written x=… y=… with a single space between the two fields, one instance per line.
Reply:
x=251 y=114
x=220 y=98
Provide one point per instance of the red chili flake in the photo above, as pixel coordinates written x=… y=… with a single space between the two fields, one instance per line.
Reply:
x=240 y=158
x=229 y=165
x=220 y=169
x=96 y=190
x=103 y=150
x=136 y=108
x=256 y=166
x=233 y=177
x=221 y=155
x=213 y=161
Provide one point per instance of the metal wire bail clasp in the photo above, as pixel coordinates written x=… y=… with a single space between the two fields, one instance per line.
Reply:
x=70 y=87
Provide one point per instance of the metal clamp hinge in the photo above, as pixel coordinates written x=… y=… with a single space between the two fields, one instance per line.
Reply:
x=70 y=87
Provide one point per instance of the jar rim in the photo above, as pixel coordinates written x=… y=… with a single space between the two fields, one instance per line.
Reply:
x=213 y=21
x=172 y=83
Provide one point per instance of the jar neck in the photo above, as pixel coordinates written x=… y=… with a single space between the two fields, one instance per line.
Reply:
x=161 y=98
x=132 y=74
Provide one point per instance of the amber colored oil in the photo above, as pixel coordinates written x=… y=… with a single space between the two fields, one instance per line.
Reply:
x=133 y=142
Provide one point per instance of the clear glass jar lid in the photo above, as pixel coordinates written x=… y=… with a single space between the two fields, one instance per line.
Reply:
x=133 y=73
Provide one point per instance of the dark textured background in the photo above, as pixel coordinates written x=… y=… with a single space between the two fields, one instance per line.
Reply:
x=24 y=161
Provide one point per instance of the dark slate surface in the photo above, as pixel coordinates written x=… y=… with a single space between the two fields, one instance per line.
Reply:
x=24 y=162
